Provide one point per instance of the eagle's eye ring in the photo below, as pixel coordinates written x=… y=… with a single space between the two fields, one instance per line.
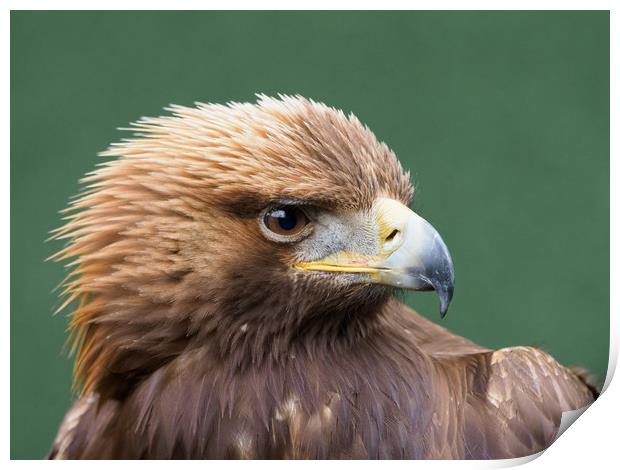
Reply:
x=285 y=223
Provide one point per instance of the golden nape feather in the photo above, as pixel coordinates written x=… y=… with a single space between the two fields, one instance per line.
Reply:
x=231 y=293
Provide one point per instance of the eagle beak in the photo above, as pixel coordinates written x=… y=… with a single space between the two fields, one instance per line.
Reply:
x=411 y=255
x=416 y=257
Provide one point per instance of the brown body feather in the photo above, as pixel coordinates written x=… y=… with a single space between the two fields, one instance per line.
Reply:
x=195 y=339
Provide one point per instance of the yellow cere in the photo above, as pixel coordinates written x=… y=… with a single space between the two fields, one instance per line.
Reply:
x=391 y=215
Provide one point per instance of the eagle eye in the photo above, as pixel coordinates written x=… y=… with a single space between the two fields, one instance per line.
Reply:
x=285 y=221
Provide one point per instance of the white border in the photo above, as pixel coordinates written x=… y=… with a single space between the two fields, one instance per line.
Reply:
x=591 y=443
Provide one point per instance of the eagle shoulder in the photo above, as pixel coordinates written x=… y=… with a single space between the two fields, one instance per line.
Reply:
x=517 y=407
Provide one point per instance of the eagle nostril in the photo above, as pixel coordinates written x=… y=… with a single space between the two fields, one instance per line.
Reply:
x=392 y=235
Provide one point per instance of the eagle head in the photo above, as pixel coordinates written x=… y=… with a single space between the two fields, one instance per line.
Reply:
x=256 y=228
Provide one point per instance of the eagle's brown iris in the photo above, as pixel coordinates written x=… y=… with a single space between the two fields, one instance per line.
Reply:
x=286 y=220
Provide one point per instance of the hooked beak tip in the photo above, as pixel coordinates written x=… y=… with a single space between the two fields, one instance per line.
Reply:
x=445 y=297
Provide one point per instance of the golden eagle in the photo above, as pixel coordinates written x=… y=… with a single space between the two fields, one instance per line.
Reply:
x=233 y=272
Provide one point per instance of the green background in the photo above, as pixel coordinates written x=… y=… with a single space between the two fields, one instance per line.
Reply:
x=502 y=117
